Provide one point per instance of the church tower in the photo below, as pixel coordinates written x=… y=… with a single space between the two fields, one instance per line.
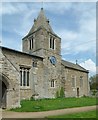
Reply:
x=42 y=41
x=41 y=37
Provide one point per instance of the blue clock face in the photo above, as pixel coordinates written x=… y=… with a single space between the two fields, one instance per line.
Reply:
x=53 y=60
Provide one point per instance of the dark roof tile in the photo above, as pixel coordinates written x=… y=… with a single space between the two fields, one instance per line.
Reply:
x=41 y=22
x=73 y=66
x=20 y=52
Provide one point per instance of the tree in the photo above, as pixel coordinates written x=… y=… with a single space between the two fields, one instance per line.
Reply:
x=94 y=82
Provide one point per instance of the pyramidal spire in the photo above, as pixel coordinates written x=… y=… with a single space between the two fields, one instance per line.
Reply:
x=41 y=22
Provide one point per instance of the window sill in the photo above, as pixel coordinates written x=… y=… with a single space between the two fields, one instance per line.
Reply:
x=73 y=87
x=52 y=49
x=52 y=87
x=24 y=87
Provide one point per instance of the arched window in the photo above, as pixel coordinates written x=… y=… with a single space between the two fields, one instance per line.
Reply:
x=52 y=42
x=52 y=83
x=24 y=76
x=31 y=43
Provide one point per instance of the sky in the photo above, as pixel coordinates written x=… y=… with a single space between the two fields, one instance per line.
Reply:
x=74 y=22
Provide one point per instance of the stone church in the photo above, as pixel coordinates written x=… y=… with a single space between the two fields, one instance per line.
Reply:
x=39 y=71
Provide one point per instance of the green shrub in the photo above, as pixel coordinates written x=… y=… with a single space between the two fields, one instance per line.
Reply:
x=62 y=92
x=32 y=98
x=94 y=91
x=57 y=94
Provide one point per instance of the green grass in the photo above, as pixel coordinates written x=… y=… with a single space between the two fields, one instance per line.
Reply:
x=54 y=104
x=89 y=114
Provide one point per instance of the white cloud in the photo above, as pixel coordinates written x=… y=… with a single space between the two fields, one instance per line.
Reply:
x=85 y=38
x=27 y=22
x=13 y=8
x=26 y=11
x=68 y=35
x=58 y=7
x=89 y=65
x=67 y=38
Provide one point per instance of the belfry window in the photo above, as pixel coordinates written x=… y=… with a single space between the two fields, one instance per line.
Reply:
x=24 y=76
x=31 y=43
x=52 y=42
x=52 y=83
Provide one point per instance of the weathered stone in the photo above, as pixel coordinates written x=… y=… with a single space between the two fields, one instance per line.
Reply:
x=41 y=70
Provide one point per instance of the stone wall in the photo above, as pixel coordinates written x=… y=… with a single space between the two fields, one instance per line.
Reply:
x=18 y=59
x=52 y=72
x=10 y=74
x=40 y=43
x=43 y=75
x=70 y=91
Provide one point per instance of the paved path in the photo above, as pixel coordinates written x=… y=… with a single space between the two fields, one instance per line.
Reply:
x=10 y=114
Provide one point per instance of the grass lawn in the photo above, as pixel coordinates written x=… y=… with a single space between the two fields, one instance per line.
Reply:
x=89 y=114
x=54 y=104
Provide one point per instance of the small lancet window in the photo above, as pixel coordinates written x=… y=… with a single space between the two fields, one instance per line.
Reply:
x=31 y=41
x=52 y=83
x=52 y=42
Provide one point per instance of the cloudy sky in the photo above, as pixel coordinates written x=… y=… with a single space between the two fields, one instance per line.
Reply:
x=74 y=22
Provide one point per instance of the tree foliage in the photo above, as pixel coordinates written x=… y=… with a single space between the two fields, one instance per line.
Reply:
x=62 y=92
x=94 y=82
x=57 y=94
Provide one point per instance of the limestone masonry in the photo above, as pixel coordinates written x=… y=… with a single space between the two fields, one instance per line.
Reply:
x=39 y=71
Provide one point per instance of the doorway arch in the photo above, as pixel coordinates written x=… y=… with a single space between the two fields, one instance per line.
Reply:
x=78 y=92
x=4 y=85
x=4 y=93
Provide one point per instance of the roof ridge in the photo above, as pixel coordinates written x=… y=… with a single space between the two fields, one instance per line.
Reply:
x=73 y=65
x=69 y=62
x=82 y=67
x=2 y=47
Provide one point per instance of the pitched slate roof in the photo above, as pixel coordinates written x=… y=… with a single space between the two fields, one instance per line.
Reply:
x=41 y=22
x=16 y=51
x=73 y=66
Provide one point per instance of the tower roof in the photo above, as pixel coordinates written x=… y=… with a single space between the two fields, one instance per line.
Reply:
x=41 y=22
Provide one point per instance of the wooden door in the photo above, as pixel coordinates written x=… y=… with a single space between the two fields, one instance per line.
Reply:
x=77 y=92
x=4 y=90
